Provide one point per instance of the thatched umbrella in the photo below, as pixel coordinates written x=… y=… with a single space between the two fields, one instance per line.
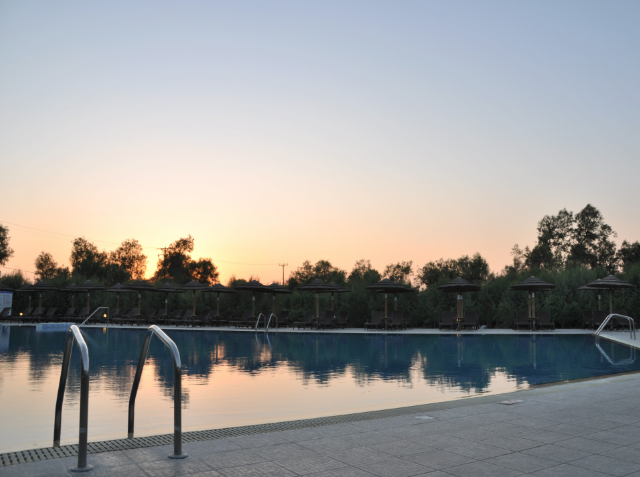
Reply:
x=387 y=286
x=40 y=287
x=117 y=289
x=277 y=289
x=253 y=286
x=338 y=289
x=318 y=286
x=195 y=286
x=532 y=285
x=459 y=285
x=167 y=288
x=88 y=287
x=610 y=283
x=72 y=289
x=140 y=286
x=598 y=290
x=217 y=289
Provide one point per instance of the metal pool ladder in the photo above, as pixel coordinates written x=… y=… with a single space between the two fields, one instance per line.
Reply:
x=267 y=322
x=177 y=388
x=74 y=335
x=632 y=325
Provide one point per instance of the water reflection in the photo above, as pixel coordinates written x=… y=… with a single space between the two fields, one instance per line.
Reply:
x=294 y=375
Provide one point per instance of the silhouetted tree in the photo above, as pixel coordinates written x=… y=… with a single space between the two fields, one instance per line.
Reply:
x=474 y=269
x=130 y=257
x=322 y=270
x=47 y=267
x=399 y=272
x=176 y=264
x=629 y=254
x=363 y=274
x=6 y=252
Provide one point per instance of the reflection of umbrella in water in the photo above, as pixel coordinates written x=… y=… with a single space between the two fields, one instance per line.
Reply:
x=219 y=288
x=195 y=286
x=339 y=289
x=167 y=288
x=598 y=290
x=532 y=285
x=140 y=286
x=253 y=286
x=275 y=288
x=40 y=287
x=387 y=286
x=459 y=285
x=318 y=286
x=88 y=287
x=117 y=289
x=610 y=283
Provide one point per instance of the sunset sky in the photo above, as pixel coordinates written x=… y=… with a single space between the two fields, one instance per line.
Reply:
x=276 y=132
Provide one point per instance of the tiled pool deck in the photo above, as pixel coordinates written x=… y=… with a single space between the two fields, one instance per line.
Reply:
x=585 y=428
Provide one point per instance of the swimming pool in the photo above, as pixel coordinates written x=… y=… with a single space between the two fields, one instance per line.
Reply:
x=236 y=378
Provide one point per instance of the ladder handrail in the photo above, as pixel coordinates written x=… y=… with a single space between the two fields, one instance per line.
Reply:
x=177 y=388
x=94 y=312
x=632 y=325
x=74 y=334
x=266 y=328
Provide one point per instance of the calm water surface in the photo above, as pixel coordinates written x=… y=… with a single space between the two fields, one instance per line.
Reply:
x=235 y=378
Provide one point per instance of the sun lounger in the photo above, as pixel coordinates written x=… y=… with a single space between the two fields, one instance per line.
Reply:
x=174 y=317
x=145 y=319
x=343 y=319
x=621 y=324
x=160 y=317
x=128 y=318
x=448 y=320
x=396 y=321
x=326 y=320
x=283 y=319
x=521 y=319
x=598 y=317
x=5 y=314
x=543 y=321
x=406 y=319
x=308 y=320
x=587 y=320
x=470 y=320
x=48 y=316
x=222 y=320
x=376 y=322
x=247 y=320
x=202 y=319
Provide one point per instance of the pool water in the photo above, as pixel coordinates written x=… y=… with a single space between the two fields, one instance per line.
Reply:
x=237 y=378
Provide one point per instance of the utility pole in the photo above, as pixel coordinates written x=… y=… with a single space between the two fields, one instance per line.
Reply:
x=283 y=265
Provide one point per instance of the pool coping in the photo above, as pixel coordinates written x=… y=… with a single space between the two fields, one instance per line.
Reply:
x=96 y=447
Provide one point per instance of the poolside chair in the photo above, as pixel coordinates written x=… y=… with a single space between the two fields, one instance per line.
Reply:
x=173 y=317
x=621 y=324
x=326 y=320
x=308 y=320
x=226 y=317
x=521 y=318
x=406 y=318
x=128 y=318
x=26 y=312
x=160 y=317
x=283 y=319
x=587 y=319
x=245 y=321
x=145 y=319
x=448 y=320
x=470 y=320
x=202 y=319
x=48 y=316
x=543 y=321
x=343 y=319
x=396 y=321
x=376 y=322
x=598 y=317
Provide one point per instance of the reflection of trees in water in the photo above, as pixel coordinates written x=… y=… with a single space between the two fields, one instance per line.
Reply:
x=468 y=362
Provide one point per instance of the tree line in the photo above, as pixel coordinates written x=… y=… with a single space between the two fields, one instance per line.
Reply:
x=570 y=250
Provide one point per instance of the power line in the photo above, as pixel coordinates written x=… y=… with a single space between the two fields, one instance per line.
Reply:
x=18 y=270
x=59 y=235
